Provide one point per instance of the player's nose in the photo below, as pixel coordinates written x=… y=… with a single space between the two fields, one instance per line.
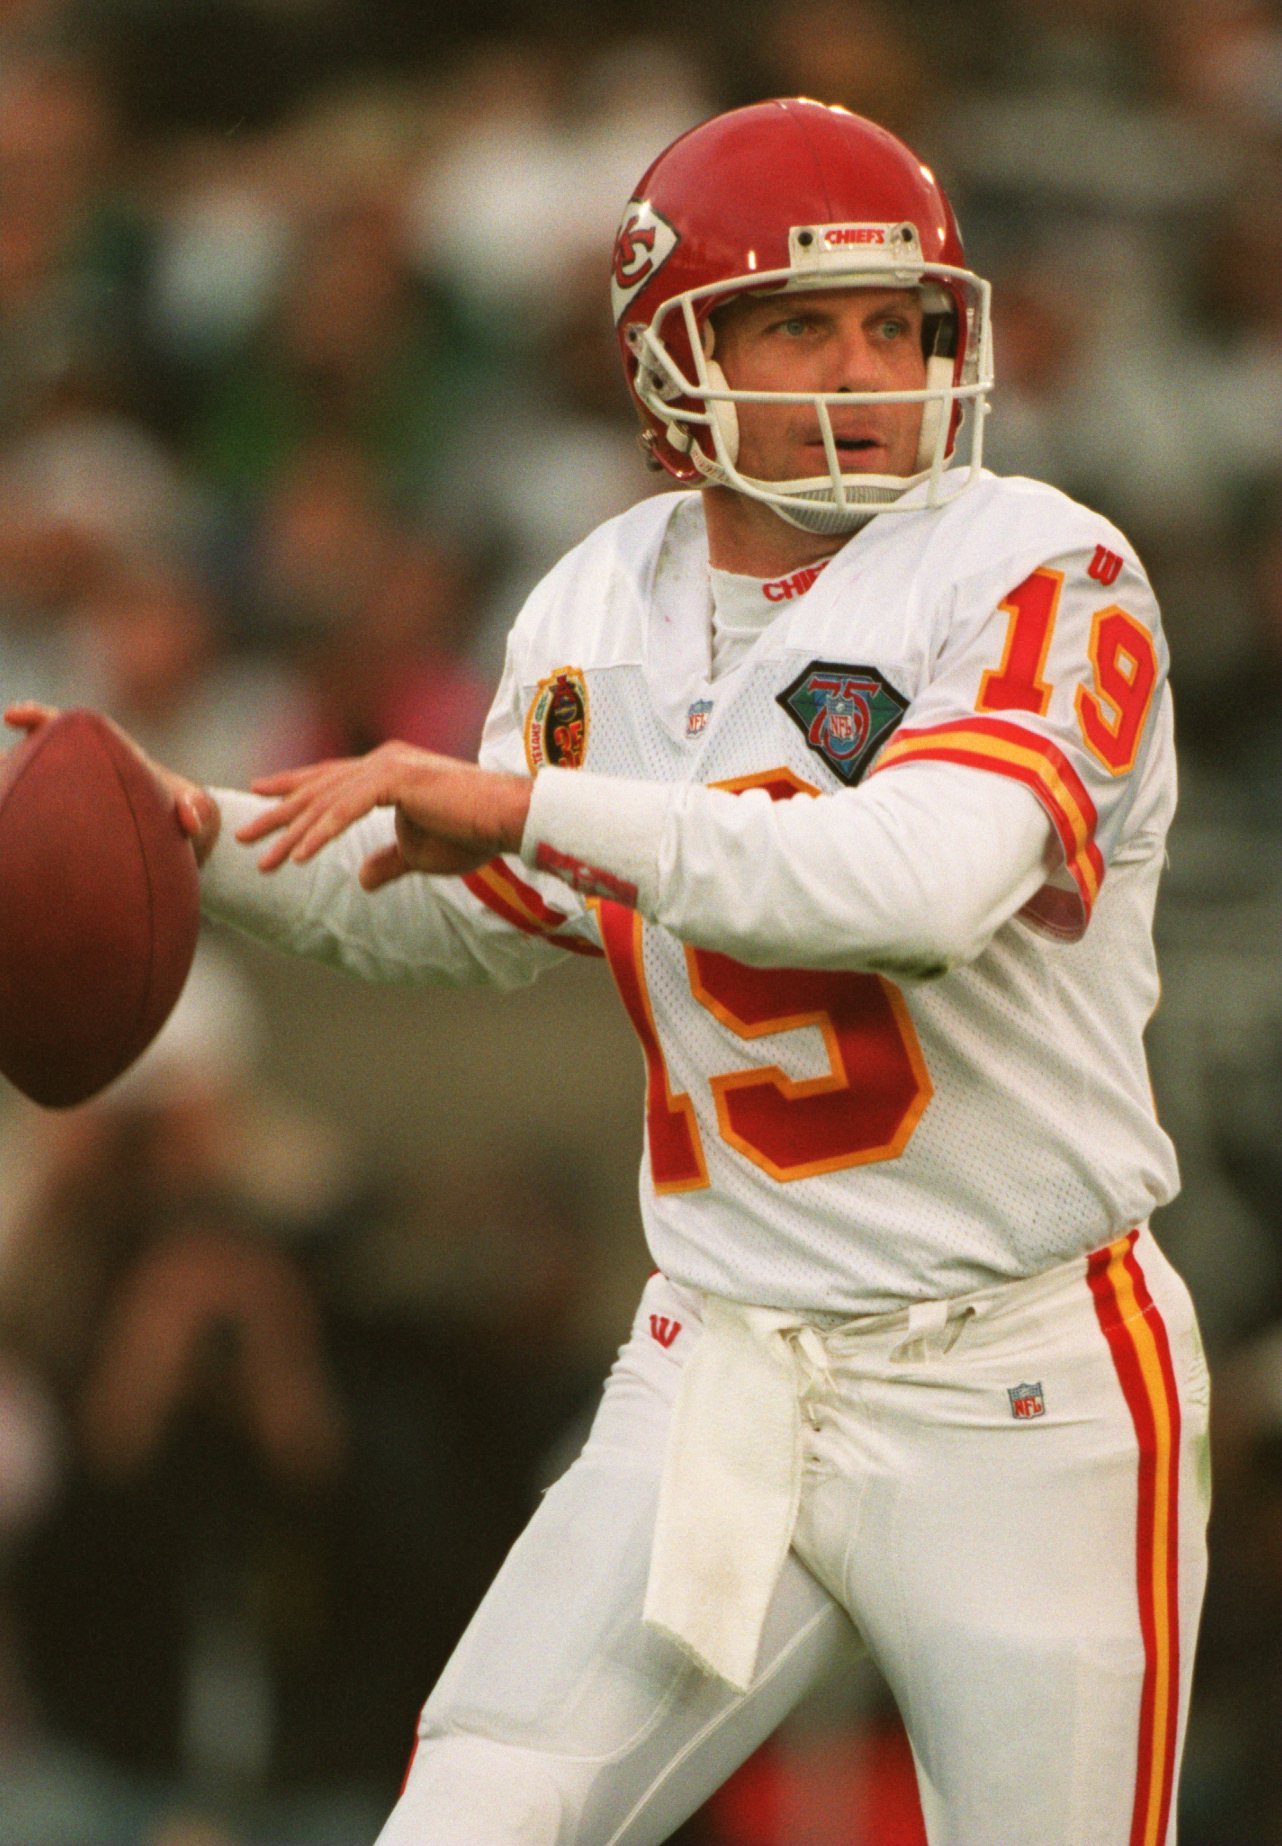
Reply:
x=857 y=365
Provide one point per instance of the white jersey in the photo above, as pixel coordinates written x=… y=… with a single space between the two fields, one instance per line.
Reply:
x=838 y=1117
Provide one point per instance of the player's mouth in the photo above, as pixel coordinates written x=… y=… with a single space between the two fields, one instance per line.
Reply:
x=856 y=452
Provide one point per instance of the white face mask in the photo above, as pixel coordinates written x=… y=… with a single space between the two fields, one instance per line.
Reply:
x=835 y=501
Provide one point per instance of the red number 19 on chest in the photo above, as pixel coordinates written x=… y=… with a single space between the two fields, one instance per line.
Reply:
x=864 y=1108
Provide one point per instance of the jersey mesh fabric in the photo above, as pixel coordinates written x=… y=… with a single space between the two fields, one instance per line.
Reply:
x=1039 y=1141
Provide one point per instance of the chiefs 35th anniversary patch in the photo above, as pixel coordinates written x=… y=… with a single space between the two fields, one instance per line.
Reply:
x=845 y=713
x=556 y=727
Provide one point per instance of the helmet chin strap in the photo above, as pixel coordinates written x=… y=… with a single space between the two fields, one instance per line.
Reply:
x=823 y=521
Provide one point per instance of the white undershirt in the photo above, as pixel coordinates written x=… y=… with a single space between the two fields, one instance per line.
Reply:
x=742 y=607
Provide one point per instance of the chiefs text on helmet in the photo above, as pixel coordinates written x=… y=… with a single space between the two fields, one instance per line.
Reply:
x=792 y=195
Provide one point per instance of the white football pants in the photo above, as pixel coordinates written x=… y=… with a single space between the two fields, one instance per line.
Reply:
x=1008 y=1513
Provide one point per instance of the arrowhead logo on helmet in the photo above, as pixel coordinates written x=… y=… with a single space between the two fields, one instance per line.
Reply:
x=643 y=245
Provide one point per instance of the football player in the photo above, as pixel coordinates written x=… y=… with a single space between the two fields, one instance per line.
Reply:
x=855 y=763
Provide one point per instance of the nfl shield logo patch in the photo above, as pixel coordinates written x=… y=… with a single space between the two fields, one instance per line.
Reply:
x=1026 y=1400
x=697 y=717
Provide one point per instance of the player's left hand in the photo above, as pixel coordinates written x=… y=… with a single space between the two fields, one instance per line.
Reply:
x=450 y=816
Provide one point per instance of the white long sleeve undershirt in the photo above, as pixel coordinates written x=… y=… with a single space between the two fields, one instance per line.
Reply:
x=907 y=875
x=419 y=929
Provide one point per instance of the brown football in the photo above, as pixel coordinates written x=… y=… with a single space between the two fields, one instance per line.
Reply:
x=99 y=909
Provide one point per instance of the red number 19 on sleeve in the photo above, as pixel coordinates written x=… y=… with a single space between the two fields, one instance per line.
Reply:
x=1017 y=684
x=1112 y=714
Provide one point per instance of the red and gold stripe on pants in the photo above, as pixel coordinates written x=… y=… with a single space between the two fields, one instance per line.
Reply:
x=1137 y=1338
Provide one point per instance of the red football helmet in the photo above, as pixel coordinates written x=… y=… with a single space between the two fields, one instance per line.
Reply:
x=786 y=195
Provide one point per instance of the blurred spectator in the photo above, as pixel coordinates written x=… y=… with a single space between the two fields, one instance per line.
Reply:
x=258 y=1551
x=83 y=480
x=147 y=646
x=872 y=57
x=354 y=350
x=72 y=245
x=1039 y=331
x=84 y=487
x=224 y=242
x=1233 y=1764
x=497 y=1264
x=1221 y=62
x=535 y=168
x=393 y=668
x=320 y=538
x=552 y=463
x=378 y=617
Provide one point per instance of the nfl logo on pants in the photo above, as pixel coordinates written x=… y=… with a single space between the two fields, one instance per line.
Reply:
x=1026 y=1400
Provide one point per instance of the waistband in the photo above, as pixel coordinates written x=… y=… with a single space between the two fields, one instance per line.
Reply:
x=996 y=1302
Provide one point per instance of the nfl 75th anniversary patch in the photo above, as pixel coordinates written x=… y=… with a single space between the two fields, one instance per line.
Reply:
x=845 y=713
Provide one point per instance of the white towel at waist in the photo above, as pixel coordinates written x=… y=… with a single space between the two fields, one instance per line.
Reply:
x=730 y=1489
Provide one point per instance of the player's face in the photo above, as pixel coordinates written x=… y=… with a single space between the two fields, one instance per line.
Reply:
x=824 y=340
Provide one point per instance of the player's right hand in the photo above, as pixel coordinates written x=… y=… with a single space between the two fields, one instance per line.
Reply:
x=451 y=816
x=199 y=815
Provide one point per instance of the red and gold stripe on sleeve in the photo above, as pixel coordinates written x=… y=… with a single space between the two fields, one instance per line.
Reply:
x=1137 y=1339
x=1010 y=750
x=498 y=887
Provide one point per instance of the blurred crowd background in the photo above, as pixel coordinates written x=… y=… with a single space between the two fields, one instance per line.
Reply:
x=306 y=375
